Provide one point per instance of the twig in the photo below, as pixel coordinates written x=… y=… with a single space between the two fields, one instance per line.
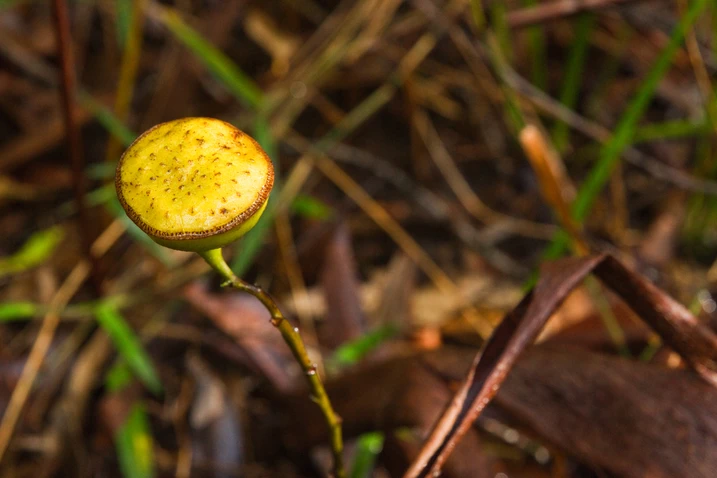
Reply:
x=547 y=105
x=555 y=185
x=296 y=280
x=38 y=353
x=374 y=210
x=434 y=205
x=72 y=130
x=474 y=52
x=559 y=193
x=293 y=340
x=698 y=65
x=556 y=10
x=463 y=191
x=409 y=245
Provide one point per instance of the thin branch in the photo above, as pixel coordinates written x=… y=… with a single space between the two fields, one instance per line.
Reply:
x=556 y=10
x=293 y=340
x=72 y=130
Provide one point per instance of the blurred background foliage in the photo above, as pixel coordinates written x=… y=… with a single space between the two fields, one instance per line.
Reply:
x=430 y=155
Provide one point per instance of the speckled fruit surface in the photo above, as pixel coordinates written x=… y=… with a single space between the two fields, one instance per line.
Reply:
x=195 y=183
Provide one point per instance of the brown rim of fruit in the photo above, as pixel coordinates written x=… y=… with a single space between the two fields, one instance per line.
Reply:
x=180 y=236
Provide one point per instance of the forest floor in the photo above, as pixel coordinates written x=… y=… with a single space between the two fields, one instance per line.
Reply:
x=435 y=161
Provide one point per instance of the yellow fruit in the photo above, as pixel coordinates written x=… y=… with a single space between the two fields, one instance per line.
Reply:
x=194 y=184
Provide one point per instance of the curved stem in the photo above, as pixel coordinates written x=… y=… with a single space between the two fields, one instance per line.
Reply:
x=293 y=340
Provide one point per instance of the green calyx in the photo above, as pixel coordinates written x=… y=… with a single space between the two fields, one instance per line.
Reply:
x=194 y=184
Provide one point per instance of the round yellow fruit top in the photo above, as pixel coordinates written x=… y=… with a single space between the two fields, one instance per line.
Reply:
x=195 y=183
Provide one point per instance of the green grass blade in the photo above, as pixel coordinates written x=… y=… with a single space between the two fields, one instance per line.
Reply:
x=538 y=58
x=501 y=29
x=10 y=311
x=135 y=445
x=128 y=345
x=36 y=250
x=368 y=446
x=104 y=170
x=107 y=119
x=352 y=352
x=311 y=208
x=626 y=126
x=7 y=4
x=123 y=10
x=119 y=376
x=221 y=66
x=573 y=75
x=478 y=15
x=357 y=116
x=625 y=129
x=673 y=129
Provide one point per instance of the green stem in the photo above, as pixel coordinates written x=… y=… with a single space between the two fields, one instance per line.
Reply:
x=293 y=340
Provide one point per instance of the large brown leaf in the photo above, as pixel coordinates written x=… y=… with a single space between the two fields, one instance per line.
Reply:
x=678 y=328
x=630 y=418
